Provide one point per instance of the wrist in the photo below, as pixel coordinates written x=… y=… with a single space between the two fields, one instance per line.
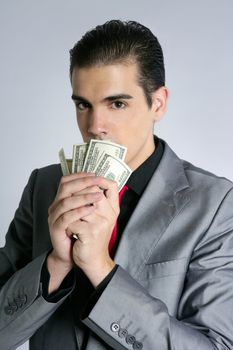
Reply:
x=97 y=274
x=56 y=262
x=57 y=270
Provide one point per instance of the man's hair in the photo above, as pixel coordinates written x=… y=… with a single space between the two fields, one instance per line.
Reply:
x=122 y=42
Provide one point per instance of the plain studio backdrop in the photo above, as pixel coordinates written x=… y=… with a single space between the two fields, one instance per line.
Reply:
x=37 y=116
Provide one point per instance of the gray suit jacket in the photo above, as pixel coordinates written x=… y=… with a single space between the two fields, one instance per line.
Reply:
x=173 y=288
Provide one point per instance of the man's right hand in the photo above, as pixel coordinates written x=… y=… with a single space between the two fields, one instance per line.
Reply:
x=75 y=194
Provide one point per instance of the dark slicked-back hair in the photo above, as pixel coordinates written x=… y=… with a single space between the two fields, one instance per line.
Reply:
x=122 y=42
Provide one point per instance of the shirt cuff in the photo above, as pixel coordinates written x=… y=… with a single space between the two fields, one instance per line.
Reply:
x=65 y=287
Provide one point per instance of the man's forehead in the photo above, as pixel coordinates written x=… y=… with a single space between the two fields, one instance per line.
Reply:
x=107 y=70
x=107 y=80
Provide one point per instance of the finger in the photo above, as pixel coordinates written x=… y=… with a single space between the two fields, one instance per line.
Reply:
x=87 y=231
x=67 y=188
x=83 y=229
x=79 y=230
x=103 y=213
x=75 y=176
x=110 y=190
x=75 y=228
x=90 y=189
x=107 y=205
x=74 y=202
x=71 y=216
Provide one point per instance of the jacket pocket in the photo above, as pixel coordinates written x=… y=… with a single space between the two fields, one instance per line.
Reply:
x=164 y=269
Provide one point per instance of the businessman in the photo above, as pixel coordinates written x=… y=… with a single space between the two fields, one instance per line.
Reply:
x=166 y=282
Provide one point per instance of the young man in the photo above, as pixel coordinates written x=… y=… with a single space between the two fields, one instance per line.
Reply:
x=169 y=284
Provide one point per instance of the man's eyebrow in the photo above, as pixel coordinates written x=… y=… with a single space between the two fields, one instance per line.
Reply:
x=117 y=97
x=79 y=98
x=108 y=98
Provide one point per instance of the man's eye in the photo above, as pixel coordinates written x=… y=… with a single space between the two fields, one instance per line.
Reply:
x=81 y=105
x=118 y=105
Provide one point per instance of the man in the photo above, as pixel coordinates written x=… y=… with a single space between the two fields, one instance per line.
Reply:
x=169 y=283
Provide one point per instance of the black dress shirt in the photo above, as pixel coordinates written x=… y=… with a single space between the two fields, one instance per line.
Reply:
x=136 y=186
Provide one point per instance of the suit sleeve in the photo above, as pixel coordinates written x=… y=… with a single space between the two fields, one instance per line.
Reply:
x=22 y=307
x=126 y=316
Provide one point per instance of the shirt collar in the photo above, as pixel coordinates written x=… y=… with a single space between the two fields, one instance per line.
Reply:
x=142 y=175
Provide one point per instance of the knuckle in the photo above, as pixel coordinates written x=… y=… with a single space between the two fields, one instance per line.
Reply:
x=51 y=208
x=85 y=210
x=96 y=189
x=79 y=212
x=63 y=219
x=63 y=187
x=64 y=202
x=63 y=179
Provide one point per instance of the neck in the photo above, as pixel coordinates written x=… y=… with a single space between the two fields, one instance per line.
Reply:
x=143 y=154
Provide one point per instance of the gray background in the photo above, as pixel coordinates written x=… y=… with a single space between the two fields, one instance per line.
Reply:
x=37 y=116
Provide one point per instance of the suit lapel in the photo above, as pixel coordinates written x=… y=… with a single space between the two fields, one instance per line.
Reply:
x=165 y=195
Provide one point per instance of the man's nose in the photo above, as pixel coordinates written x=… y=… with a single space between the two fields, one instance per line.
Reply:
x=97 y=124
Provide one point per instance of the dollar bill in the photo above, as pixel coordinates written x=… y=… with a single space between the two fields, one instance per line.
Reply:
x=96 y=150
x=105 y=158
x=63 y=161
x=113 y=168
x=79 y=154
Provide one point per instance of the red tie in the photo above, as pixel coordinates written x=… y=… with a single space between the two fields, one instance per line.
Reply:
x=112 y=242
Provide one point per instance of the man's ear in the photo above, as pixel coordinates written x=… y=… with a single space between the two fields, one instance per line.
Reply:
x=159 y=102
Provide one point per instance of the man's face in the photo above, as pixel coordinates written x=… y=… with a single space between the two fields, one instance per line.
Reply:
x=110 y=105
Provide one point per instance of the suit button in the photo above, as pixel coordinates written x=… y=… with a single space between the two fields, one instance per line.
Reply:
x=23 y=298
x=122 y=333
x=8 y=310
x=130 y=339
x=18 y=301
x=137 y=345
x=115 y=327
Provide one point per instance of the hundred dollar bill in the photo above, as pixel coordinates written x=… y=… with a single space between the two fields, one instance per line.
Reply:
x=96 y=150
x=79 y=154
x=113 y=168
x=63 y=161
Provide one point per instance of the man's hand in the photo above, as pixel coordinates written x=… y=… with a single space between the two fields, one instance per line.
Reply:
x=90 y=251
x=66 y=209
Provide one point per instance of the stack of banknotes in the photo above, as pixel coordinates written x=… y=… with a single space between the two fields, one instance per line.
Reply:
x=104 y=158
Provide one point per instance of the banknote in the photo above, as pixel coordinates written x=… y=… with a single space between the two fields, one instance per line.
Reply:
x=63 y=161
x=113 y=168
x=96 y=150
x=103 y=157
x=79 y=154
